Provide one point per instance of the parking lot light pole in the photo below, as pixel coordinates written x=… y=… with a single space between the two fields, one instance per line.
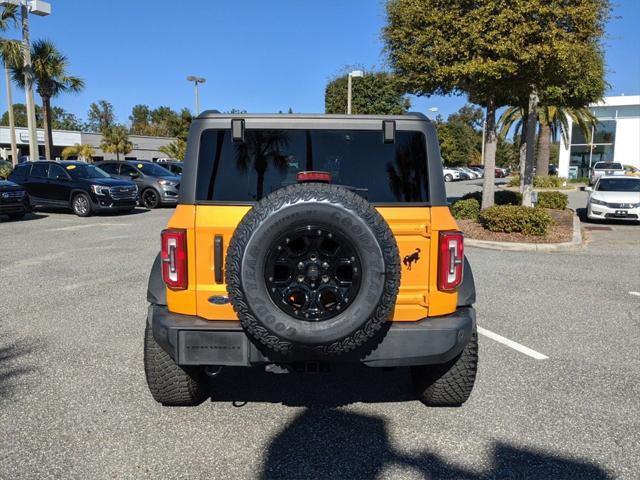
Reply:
x=196 y=81
x=354 y=74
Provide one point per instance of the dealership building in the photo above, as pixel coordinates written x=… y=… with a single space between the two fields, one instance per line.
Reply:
x=144 y=148
x=616 y=138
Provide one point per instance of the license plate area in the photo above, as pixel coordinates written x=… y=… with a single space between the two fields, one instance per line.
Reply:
x=621 y=213
x=201 y=347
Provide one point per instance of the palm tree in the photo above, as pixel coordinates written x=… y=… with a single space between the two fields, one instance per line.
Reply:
x=260 y=147
x=553 y=121
x=9 y=55
x=115 y=139
x=83 y=152
x=50 y=72
x=175 y=149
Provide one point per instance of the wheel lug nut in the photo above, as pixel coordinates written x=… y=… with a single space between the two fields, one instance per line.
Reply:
x=325 y=278
x=300 y=265
x=353 y=259
x=319 y=232
x=325 y=265
x=301 y=278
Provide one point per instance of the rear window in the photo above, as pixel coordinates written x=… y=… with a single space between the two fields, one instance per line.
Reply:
x=270 y=159
x=608 y=166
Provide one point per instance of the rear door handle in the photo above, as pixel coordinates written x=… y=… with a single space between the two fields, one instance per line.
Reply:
x=217 y=258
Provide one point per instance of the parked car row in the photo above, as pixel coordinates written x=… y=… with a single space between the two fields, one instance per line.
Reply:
x=109 y=186
x=470 y=173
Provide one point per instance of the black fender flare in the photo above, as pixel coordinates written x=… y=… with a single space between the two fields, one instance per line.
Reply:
x=467 y=291
x=156 y=289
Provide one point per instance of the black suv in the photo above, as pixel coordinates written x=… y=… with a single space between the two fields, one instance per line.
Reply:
x=157 y=185
x=14 y=200
x=77 y=185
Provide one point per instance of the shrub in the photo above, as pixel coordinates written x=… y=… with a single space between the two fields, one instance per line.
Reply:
x=579 y=180
x=466 y=209
x=548 y=182
x=501 y=197
x=507 y=197
x=515 y=219
x=5 y=170
x=540 y=182
x=554 y=200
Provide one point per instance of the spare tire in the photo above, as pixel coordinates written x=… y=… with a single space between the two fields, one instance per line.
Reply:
x=313 y=266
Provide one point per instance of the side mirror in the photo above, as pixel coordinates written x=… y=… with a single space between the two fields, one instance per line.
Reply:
x=588 y=189
x=134 y=175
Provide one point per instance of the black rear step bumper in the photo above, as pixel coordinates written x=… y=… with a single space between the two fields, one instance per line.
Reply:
x=190 y=340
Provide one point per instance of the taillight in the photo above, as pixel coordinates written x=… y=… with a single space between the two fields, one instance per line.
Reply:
x=313 y=176
x=174 y=258
x=450 y=260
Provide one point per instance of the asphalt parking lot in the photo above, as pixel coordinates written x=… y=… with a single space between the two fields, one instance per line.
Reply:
x=74 y=402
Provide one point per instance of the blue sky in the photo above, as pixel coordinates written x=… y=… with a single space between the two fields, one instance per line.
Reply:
x=261 y=56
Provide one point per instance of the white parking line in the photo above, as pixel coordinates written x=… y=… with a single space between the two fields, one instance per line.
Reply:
x=512 y=344
x=637 y=294
x=88 y=225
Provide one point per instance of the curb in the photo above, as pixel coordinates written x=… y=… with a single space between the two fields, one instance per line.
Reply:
x=573 y=244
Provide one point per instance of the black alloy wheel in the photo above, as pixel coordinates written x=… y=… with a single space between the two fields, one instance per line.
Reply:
x=150 y=198
x=312 y=273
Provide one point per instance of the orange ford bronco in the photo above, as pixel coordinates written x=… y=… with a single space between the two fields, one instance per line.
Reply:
x=306 y=240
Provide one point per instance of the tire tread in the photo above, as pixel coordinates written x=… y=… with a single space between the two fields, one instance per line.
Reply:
x=170 y=384
x=449 y=384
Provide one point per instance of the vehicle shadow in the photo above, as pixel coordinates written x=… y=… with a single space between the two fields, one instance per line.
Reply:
x=26 y=218
x=348 y=384
x=60 y=210
x=11 y=367
x=328 y=443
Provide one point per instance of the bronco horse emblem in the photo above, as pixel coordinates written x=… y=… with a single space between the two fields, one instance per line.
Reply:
x=413 y=258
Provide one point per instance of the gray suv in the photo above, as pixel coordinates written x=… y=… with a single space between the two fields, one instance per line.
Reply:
x=157 y=185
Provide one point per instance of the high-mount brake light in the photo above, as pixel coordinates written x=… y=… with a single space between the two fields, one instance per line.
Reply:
x=174 y=258
x=312 y=176
x=450 y=260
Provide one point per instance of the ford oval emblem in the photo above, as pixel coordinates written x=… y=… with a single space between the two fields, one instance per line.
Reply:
x=219 y=299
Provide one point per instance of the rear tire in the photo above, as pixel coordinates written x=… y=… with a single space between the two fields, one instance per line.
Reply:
x=449 y=384
x=448 y=177
x=169 y=383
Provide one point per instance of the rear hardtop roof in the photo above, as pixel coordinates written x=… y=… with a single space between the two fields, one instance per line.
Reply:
x=312 y=116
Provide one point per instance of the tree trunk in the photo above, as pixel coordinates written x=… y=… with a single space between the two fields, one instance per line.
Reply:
x=527 y=186
x=491 y=145
x=544 y=150
x=46 y=124
x=117 y=154
x=12 y=123
x=523 y=151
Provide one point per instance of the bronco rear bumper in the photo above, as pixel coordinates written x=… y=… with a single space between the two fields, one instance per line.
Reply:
x=191 y=340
